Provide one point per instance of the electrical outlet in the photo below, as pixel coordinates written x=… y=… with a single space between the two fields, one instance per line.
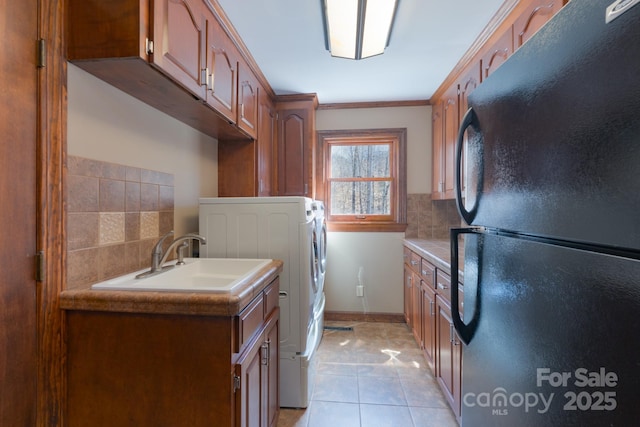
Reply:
x=359 y=291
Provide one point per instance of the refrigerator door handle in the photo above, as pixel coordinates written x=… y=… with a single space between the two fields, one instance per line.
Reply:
x=469 y=119
x=465 y=331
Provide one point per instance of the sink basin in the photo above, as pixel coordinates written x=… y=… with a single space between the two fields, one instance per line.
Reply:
x=221 y=275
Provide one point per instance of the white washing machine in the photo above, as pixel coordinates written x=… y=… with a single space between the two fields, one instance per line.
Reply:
x=276 y=228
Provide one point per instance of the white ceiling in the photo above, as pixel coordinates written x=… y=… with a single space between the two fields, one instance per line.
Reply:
x=286 y=39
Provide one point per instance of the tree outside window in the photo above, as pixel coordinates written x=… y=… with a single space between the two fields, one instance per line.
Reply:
x=364 y=179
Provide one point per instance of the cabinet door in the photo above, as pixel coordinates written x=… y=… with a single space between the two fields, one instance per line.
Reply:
x=449 y=356
x=533 y=18
x=428 y=321
x=257 y=401
x=248 y=100
x=266 y=143
x=18 y=163
x=444 y=348
x=293 y=153
x=416 y=309
x=437 y=183
x=272 y=373
x=221 y=70
x=249 y=398
x=466 y=85
x=451 y=123
x=497 y=53
x=457 y=355
x=179 y=32
x=408 y=295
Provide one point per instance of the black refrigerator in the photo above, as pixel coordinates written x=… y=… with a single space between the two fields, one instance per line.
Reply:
x=551 y=316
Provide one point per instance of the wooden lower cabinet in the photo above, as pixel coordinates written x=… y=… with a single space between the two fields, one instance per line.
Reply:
x=140 y=369
x=428 y=322
x=408 y=296
x=271 y=375
x=417 y=309
x=427 y=307
x=448 y=355
x=257 y=374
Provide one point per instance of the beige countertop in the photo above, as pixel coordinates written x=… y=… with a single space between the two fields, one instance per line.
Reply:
x=437 y=252
x=189 y=303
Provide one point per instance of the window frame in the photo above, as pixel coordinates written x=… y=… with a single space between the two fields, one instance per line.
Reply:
x=396 y=138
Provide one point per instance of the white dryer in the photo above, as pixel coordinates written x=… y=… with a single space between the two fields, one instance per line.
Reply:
x=276 y=228
x=321 y=241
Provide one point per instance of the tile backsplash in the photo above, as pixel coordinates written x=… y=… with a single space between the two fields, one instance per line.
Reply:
x=115 y=214
x=430 y=219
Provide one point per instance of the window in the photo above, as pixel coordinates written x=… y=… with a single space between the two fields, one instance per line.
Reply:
x=363 y=179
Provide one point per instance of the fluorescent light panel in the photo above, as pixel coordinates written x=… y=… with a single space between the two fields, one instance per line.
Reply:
x=345 y=31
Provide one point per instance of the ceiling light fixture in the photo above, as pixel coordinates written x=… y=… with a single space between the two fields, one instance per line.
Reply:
x=358 y=29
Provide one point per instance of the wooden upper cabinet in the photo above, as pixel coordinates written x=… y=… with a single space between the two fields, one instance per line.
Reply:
x=292 y=153
x=497 y=53
x=296 y=144
x=157 y=51
x=266 y=143
x=466 y=85
x=246 y=168
x=445 y=130
x=451 y=123
x=536 y=14
x=221 y=71
x=450 y=103
x=179 y=42
x=116 y=29
x=247 y=100
x=437 y=115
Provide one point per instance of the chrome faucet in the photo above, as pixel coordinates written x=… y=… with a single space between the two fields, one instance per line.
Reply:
x=181 y=243
x=158 y=258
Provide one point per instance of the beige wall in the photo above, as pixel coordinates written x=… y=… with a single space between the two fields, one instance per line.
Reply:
x=108 y=125
x=417 y=120
x=379 y=255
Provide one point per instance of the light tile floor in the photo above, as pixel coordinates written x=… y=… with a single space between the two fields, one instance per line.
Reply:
x=372 y=376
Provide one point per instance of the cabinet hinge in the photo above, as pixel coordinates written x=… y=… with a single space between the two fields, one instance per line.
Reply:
x=149 y=47
x=41 y=266
x=236 y=383
x=42 y=53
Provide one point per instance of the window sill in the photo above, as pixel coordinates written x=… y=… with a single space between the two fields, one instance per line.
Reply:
x=367 y=226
